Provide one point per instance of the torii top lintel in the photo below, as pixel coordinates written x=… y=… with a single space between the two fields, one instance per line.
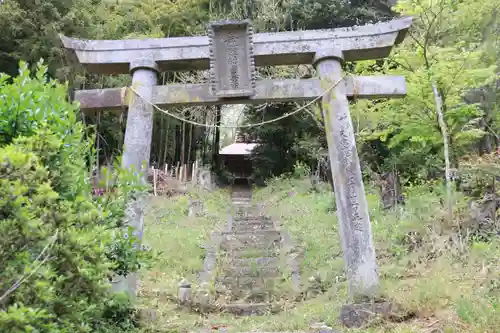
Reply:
x=371 y=41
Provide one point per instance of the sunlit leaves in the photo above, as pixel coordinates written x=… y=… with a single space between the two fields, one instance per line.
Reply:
x=445 y=44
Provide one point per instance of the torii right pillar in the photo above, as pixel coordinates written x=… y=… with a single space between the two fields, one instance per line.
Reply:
x=352 y=208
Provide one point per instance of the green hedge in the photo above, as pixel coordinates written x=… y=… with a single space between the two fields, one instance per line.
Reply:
x=58 y=245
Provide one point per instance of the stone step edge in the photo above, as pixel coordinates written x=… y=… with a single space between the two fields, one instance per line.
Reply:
x=248 y=309
x=250 y=219
x=250 y=228
x=257 y=232
x=242 y=254
x=223 y=330
x=268 y=273
x=239 y=261
x=268 y=226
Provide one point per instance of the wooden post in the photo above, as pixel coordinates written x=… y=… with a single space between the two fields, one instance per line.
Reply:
x=193 y=174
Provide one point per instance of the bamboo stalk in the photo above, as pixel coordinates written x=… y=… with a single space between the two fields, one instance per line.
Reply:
x=183 y=141
x=190 y=143
x=154 y=181
x=166 y=143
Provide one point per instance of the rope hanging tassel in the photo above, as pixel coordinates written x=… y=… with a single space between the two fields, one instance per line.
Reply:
x=238 y=126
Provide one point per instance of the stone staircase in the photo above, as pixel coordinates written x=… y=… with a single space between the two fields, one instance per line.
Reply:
x=247 y=261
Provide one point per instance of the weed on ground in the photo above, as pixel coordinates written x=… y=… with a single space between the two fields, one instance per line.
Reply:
x=448 y=283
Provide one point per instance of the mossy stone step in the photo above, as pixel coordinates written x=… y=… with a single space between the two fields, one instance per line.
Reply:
x=241 y=284
x=249 y=253
x=251 y=227
x=254 y=240
x=252 y=216
x=249 y=295
x=244 y=207
x=249 y=271
x=252 y=309
x=237 y=249
x=259 y=261
x=252 y=223
x=258 y=234
x=251 y=220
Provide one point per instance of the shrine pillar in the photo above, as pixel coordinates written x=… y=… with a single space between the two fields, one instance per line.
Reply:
x=352 y=208
x=136 y=152
x=139 y=131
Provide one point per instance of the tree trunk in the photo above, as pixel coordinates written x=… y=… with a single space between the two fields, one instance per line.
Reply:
x=444 y=133
x=190 y=144
x=183 y=143
x=165 y=149
x=216 y=145
x=177 y=150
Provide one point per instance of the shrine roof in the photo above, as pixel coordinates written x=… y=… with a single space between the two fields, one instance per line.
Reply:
x=238 y=149
x=370 y=41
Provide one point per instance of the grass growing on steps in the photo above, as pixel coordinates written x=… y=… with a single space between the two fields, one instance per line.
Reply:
x=449 y=289
x=180 y=239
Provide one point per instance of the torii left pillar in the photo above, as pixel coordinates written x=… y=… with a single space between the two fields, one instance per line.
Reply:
x=136 y=153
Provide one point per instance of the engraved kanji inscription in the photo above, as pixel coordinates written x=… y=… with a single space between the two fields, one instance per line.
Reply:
x=231 y=59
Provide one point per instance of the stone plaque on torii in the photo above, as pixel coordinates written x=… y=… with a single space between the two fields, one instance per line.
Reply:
x=231 y=52
x=232 y=71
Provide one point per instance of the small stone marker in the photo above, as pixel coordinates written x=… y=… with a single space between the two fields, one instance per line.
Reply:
x=205 y=180
x=195 y=208
x=148 y=315
x=232 y=70
x=314 y=287
x=184 y=291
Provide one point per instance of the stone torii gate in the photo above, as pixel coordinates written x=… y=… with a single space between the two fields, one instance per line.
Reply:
x=232 y=51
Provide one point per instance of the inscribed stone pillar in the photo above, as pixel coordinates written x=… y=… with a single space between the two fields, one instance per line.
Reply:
x=139 y=131
x=352 y=208
x=136 y=152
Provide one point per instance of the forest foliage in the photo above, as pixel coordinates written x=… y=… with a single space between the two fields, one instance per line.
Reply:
x=60 y=246
x=446 y=44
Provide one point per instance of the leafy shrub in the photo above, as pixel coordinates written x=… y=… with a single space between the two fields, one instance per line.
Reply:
x=58 y=246
x=301 y=170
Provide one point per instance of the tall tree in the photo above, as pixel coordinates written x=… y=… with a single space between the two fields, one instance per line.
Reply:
x=445 y=48
x=30 y=30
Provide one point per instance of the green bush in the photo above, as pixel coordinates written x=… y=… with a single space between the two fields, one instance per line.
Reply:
x=58 y=245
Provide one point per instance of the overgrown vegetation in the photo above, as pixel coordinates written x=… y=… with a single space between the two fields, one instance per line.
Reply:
x=59 y=245
x=446 y=47
x=443 y=282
